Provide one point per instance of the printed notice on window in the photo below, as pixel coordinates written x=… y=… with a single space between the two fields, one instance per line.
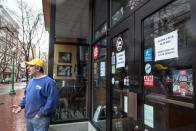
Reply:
x=120 y=59
x=102 y=68
x=148 y=115
x=166 y=46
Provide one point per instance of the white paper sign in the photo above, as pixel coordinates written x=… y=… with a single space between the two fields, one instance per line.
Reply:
x=126 y=104
x=120 y=59
x=166 y=46
x=148 y=115
x=102 y=68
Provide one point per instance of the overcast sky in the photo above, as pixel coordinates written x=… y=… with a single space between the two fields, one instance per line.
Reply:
x=36 y=5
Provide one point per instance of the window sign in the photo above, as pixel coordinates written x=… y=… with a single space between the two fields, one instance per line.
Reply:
x=166 y=46
x=148 y=115
x=102 y=68
x=113 y=69
x=147 y=68
x=126 y=104
x=120 y=59
x=113 y=58
x=182 y=82
x=148 y=55
x=95 y=52
x=148 y=80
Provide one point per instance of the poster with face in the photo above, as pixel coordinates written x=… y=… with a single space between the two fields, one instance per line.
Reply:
x=182 y=82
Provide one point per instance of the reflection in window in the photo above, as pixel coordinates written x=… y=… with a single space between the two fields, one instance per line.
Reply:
x=168 y=25
x=101 y=31
x=121 y=7
x=168 y=67
x=120 y=82
x=99 y=83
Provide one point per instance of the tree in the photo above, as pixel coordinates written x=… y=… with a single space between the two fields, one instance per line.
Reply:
x=8 y=40
x=31 y=29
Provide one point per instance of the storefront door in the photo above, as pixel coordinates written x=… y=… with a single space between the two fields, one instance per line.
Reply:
x=123 y=101
x=165 y=51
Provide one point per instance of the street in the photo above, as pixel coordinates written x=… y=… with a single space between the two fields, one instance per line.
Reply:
x=8 y=120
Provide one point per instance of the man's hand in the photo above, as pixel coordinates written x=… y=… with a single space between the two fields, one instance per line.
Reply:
x=16 y=109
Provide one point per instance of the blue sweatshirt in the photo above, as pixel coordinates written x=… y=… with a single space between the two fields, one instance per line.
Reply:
x=40 y=97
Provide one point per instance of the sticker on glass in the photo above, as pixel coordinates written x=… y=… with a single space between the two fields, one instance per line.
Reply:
x=119 y=44
x=102 y=68
x=148 y=55
x=147 y=68
x=113 y=58
x=166 y=46
x=148 y=80
x=113 y=69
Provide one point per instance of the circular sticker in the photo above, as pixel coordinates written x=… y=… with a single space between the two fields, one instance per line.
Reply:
x=147 y=68
x=119 y=44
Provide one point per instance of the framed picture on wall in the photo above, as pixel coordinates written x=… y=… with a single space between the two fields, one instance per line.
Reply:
x=64 y=57
x=64 y=70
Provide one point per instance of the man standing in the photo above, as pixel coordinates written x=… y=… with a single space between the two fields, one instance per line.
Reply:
x=40 y=98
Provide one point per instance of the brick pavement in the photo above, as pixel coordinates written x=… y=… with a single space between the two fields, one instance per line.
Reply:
x=8 y=120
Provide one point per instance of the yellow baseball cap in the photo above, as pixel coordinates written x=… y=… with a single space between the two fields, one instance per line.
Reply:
x=36 y=62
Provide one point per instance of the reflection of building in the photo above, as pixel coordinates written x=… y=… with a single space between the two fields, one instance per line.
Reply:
x=8 y=40
x=129 y=35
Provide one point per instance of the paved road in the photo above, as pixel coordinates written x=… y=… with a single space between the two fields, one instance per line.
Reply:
x=8 y=120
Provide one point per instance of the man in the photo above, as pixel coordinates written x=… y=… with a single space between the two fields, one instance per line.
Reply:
x=40 y=98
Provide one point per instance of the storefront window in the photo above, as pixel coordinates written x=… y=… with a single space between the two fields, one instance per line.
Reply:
x=101 y=31
x=121 y=7
x=120 y=82
x=168 y=74
x=99 y=84
x=70 y=74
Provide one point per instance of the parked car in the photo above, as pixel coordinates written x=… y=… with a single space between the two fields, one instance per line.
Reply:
x=6 y=81
x=23 y=80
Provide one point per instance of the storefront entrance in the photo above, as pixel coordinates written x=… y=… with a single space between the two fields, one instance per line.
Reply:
x=152 y=69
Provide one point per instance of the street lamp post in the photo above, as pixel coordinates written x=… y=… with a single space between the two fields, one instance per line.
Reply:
x=12 y=90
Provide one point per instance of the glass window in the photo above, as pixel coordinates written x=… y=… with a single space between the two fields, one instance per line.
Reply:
x=100 y=13
x=168 y=74
x=100 y=24
x=167 y=41
x=71 y=77
x=121 y=7
x=99 y=83
x=120 y=82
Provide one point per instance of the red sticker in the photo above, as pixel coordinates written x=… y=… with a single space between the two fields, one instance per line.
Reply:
x=148 y=80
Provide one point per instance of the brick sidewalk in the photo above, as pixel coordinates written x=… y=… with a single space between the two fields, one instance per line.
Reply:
x=8 y=120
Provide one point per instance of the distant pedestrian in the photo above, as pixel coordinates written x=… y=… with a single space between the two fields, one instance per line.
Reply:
x=40 y=98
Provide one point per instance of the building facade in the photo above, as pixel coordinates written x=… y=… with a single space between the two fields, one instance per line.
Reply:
x=124 y=64
x=8 y=41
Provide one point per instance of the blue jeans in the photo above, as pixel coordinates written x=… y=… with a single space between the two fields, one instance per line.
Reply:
x=38 y=124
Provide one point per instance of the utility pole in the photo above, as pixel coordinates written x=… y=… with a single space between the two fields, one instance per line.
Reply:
x=12 y=90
